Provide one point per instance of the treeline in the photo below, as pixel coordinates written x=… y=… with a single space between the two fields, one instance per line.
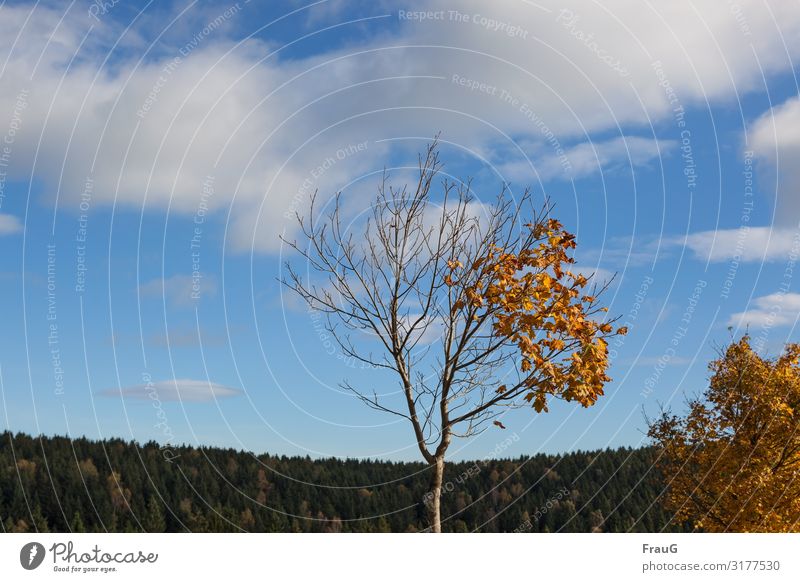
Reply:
x=58 y=484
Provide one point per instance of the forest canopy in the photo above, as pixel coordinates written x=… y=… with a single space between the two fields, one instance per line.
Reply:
x=59 y=484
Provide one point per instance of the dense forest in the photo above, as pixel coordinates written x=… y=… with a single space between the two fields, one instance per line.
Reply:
x=59 y=484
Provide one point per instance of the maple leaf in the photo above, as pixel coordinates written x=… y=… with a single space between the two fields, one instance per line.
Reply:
x=742 y=436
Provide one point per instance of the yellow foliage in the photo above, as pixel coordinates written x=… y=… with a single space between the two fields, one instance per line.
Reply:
x=733 y=462
x=538 y=304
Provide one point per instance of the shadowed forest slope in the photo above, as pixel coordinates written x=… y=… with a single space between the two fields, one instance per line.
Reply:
x=59 y=484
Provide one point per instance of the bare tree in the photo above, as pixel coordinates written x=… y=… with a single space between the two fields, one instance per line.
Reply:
x=512 y=325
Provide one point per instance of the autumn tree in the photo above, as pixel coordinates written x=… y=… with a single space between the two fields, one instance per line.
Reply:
x=493 y=284
x=733 y=462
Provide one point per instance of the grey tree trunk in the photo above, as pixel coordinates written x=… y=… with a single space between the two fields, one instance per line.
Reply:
x=435 y=505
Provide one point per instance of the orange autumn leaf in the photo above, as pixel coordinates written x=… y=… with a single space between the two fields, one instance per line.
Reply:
x=531 y=293
x=733 y=460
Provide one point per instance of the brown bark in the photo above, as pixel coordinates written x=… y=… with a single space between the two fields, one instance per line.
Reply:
x=415 y=268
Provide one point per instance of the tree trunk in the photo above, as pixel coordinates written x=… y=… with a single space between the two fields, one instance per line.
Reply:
x=435 y=505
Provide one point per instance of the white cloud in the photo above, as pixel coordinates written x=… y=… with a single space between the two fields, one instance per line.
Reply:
x=743 y=244
x=263 y=125
x=429 y=331
x=623 y=252
x=775 y=310
x=586 y=159
x=187 y=337
x=599 y=276
x=662 y=361
x=174 y=391
x=180 y=290
x=9 y=224
x=775 y=140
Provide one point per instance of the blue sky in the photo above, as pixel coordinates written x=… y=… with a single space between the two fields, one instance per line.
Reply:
x=152 y=153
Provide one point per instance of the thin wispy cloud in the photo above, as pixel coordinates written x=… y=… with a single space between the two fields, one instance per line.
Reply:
x=174 y=391
x=587 y=159
x=746 y=244
x=598 y=275
x=180 y=290
x=9 y=224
